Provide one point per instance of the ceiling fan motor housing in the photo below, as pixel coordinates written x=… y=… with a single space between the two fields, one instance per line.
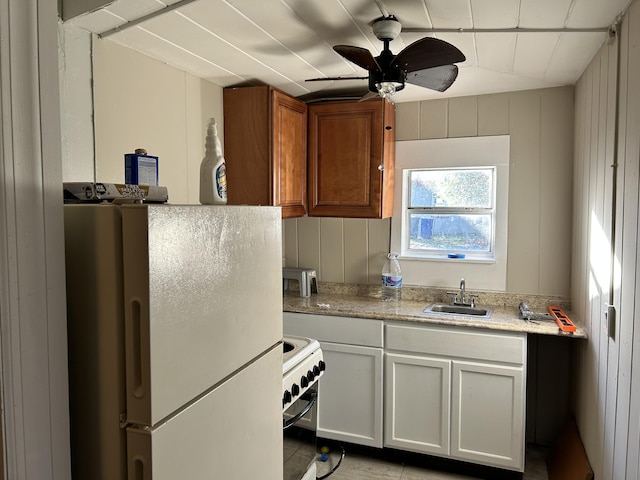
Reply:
x=387 y=28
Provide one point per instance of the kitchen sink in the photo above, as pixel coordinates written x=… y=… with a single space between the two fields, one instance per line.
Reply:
x=448 y=309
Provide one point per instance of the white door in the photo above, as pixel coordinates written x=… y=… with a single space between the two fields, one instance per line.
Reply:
x=232 y=433
x=417 y=393
x=488 y=414
x=350 y=394
x=203 y=296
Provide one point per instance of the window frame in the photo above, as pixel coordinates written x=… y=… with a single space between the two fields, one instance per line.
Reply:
x=407 y=211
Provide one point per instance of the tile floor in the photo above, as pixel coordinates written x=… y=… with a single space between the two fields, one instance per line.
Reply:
x=363 y=464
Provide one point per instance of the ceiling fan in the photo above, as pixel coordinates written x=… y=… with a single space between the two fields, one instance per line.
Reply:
x=428 y=62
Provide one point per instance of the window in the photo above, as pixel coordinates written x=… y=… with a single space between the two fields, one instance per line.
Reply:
x=450 y=212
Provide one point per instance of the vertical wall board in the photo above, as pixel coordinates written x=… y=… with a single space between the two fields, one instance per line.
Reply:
x=592 y=426
x=577 y=283
x=408 y=121
x=612 y=344
x=625 y=325
x=630 y=257
x=434 y=119
x=556 y=164
x=578 y=167
x=309 y=243
x=584 y=200
x=600 y=246
x=331 y=250
x=356 y=251
x=493 y=114
x=378 y=247
x=463 y=117
x=290 y=242
x=524 y=193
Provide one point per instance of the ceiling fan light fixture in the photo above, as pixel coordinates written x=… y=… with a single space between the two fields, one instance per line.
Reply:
x=387 y=83
x=387 y=89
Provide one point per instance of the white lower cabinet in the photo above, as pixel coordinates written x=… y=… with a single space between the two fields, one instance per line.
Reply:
x=417 y=403
x=350 y=392
x=350 y=395
x=455 y=392
x=449 y=391
x=488 y=414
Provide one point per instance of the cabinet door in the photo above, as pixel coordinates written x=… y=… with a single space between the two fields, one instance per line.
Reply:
x=289 y=127
x=417 y=403
x=265 y=147
x=350 y=394
x=487 y=414
x=351 y=159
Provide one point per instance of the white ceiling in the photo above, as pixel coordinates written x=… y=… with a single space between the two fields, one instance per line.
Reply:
x=285 y=42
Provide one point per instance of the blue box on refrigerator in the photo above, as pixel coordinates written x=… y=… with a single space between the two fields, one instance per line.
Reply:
x=140 y=169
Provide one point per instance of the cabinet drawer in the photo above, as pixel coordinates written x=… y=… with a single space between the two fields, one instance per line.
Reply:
x=484 y=345
x=329 y=328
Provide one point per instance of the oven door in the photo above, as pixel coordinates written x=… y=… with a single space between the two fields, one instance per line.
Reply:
x=299 y=427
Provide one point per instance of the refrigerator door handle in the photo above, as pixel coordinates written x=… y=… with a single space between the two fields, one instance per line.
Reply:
x=293 y=420
x=136 y=369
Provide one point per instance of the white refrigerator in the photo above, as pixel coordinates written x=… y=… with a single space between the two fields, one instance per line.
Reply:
x=175 y=329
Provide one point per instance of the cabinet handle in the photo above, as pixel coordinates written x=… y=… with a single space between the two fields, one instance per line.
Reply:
x=388 y=127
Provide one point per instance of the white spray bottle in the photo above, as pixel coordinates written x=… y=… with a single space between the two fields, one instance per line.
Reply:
x=213 y=170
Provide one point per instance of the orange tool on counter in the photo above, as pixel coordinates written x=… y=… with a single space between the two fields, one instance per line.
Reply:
x=563 y=321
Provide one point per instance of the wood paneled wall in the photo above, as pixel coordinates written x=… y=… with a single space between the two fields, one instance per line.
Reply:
x=540 y=123
x=607 y=387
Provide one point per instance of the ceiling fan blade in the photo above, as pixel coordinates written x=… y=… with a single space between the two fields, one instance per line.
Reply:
x=326 y=79
x=436 y=78
x=426 y=53
x=360 y=56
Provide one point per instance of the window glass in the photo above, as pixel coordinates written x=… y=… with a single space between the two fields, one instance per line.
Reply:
x=450 y=233
x=462 y=188
x=451 y=211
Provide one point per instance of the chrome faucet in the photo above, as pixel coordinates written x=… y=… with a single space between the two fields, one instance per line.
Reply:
x=466 y=300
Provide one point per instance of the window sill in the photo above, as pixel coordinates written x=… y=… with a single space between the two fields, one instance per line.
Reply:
x=444 y=258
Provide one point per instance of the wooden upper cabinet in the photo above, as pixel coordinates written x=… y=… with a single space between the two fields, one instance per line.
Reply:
x=351 y=159
x=265 y=148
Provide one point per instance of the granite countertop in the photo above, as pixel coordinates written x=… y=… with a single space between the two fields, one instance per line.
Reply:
x=363 y=303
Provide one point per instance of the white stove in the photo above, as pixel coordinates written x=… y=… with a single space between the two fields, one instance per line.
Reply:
x=303 y=365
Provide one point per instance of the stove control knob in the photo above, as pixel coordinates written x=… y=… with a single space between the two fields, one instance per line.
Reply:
x=295 y=390
x=316 y=370
x=310 y=375
x=286 y=397
x=322 y=365
x=304 y=381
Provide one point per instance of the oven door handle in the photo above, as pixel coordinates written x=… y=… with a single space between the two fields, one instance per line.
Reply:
x=293 y=420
